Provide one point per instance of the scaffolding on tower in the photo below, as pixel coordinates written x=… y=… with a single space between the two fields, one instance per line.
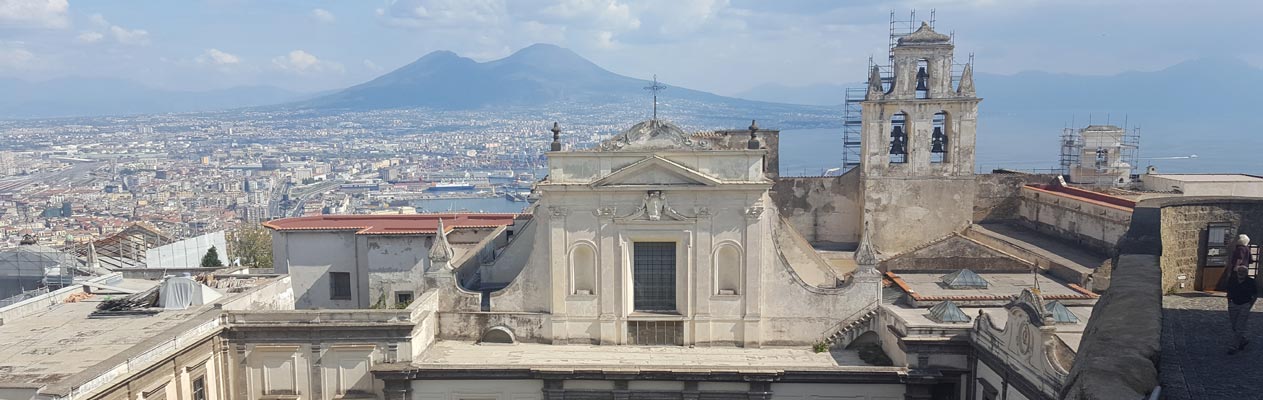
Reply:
x=852 y=111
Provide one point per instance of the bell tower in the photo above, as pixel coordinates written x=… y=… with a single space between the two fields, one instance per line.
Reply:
x=917 y=144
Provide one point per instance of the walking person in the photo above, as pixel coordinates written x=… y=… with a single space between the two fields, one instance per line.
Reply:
x=1241 y=296
x=1240 y=257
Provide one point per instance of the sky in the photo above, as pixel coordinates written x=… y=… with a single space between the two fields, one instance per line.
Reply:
x=721 y=46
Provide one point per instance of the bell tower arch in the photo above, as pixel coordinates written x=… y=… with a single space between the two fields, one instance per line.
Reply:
x=917 y=145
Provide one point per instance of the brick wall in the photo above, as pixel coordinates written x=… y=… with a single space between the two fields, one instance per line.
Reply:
x=1184 y=222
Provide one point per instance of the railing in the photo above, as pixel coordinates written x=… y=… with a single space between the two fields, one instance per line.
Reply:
x=855 y=316
x=23 y=296
x=144 y=359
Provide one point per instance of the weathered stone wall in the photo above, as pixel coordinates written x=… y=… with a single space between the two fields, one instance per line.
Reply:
x=1184 y=222
x=739 y=139
x=825 y=210
x=999 y=195
x=1117 y=357
x=907 y=213
x=1090 y=223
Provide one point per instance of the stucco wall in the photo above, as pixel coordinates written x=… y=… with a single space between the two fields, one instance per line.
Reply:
x=1090 y=223
x=309 y=257
x=1184 y=222
x=276 y=294
x=395 y=264
x=824 y=210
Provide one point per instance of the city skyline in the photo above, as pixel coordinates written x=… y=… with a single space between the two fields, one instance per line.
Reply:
x=317 y=46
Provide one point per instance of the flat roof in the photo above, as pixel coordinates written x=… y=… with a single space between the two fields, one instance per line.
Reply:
x=1207 y=177
x=49 y=346
x=456 y=355
x=393 y=224
x=925 y=286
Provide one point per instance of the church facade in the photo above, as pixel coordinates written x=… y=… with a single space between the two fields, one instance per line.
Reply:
x=656 y=237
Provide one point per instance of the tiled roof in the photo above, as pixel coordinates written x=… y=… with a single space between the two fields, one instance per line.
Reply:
x=392 y=224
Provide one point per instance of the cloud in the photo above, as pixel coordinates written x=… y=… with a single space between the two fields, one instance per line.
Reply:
x=89 y=37
x=217 y=57
x=302 y=62
x=444 y=13
x=14 y=56
x=372 y=66
x=323 y=15
x=135 y=37
x=130 y=36
x=34 y=13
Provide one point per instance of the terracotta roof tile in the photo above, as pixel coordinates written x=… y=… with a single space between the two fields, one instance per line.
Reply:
x=394 y=224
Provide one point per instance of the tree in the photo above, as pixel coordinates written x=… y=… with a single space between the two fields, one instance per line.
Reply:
x=211 y=259
x=251 y=246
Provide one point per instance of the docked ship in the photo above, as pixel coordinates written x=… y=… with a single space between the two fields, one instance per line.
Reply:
x=450 y=186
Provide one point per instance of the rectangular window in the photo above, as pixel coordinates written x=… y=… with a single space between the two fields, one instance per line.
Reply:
x=199 y=388
x=654 y=276
x=403 y=298
x=340 y=285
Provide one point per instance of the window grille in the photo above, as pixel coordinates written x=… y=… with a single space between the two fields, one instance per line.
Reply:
x=340 y=285
x=655 y=333
x=654 y=277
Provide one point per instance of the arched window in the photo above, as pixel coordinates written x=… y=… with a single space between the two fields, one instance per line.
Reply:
x=728 y=269
x=583 y=269
x=899 y=139
x=940 y=139
x=923 y=79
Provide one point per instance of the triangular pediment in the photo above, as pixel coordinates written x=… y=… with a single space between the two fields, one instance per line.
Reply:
x=951 y=254
x=656 y=171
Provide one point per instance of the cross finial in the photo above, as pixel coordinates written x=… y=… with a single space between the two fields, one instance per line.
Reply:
x=556 y=145
x=655 y=88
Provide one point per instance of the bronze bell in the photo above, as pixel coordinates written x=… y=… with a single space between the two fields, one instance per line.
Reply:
x=921 y=75
x=938 y=141
x=897 y=142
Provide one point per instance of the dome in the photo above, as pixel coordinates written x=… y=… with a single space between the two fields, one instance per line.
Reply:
x=651 y=135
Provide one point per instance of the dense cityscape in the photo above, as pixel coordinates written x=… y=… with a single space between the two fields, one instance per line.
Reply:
x=70 y=181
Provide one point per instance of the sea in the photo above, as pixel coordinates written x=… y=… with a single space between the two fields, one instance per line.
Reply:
x=816 y=152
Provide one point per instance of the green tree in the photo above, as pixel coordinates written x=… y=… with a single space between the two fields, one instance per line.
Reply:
x=252 y=246
x=211 y=259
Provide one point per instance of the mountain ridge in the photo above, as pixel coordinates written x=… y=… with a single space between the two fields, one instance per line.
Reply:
x=536 y=74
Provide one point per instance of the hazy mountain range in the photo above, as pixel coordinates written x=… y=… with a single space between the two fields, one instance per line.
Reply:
x=538 y=74
x=542 y=74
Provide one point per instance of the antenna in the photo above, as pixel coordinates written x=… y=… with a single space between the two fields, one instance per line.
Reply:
x=655 y=88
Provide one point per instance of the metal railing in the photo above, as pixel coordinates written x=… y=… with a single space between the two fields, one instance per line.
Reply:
x=23 y=296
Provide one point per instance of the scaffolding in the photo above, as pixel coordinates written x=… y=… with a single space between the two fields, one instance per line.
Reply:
x=1114 y=153
x=852 y=112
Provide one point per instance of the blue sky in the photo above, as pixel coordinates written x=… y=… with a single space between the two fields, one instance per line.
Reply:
x=722 y=46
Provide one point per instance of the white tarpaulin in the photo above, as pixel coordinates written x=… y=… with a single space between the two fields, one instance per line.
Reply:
x=180 y=292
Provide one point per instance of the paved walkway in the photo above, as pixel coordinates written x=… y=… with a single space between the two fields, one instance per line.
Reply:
x=1195 y=364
